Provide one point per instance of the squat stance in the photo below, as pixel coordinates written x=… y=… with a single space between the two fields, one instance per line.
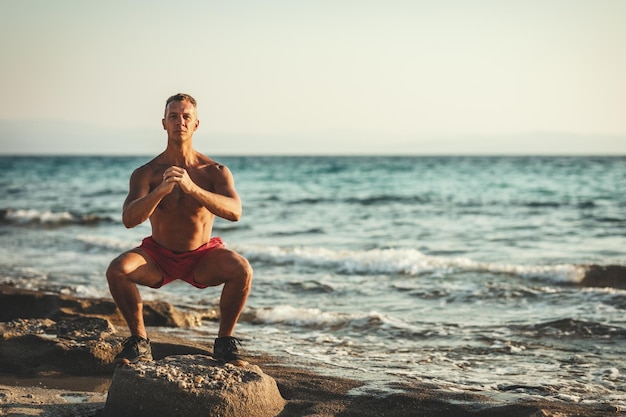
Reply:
x=180 y=191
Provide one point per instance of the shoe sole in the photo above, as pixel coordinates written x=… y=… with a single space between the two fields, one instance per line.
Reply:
x=125 y=361
x=235 y=362
x=238 y=362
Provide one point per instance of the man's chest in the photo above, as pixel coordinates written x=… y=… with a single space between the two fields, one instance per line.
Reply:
x=178 y=201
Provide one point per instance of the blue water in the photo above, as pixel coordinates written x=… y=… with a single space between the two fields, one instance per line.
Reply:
x=459 y=271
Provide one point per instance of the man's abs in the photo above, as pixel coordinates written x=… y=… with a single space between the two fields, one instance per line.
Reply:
x=181 y=233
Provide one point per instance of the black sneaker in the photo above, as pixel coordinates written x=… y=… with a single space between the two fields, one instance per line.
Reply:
x=135 y=349
x=225 y=350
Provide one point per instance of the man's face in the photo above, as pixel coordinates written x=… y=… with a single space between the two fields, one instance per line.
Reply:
x=180 y=120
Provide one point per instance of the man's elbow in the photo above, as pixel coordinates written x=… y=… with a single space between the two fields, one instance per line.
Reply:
x=234 y=215
x=128 y=222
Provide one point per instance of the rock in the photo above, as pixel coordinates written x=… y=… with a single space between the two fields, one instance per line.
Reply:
x=75 y=346
x=22 y=327
x=84 y=328
x=27 y=304
x=192 y=385
x=84 y=346
x=605 y=276
x=159 y=313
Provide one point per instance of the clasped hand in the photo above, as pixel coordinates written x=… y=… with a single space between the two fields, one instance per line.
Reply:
x=178 y=176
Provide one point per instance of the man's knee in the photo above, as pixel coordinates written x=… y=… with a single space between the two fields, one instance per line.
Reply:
x=247 y=270
x=119 y=267
x=115 y=269
x=242 y=270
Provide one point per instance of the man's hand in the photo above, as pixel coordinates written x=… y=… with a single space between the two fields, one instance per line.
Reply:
x=177 y=176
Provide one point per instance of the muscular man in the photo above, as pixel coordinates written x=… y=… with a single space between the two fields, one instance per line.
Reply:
x=180 y=191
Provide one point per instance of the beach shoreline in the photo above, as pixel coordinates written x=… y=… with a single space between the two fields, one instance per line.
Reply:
x=306 y=394
x=496 y=276
x=37 y=380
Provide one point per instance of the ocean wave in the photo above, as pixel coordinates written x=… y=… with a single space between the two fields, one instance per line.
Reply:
x=404 y=262
x=436 y=201
x=364 y=201
x=311 y=231
x=29 y=217
x=302 y=317
x=316 y=319
x=106 y=243
x=576 y=329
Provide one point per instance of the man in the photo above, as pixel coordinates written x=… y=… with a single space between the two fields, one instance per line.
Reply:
x=180 y=191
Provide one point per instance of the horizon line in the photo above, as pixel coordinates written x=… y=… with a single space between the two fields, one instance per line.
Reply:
x=318 y=155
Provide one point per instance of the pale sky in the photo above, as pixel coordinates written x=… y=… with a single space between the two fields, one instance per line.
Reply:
x=325 y=77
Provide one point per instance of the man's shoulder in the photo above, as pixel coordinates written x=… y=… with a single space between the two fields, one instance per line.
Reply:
x=156 y=164
x=148 y=169
x=208 y=165
x=144 y=169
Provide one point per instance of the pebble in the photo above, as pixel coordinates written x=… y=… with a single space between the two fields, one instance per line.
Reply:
x=190 y=374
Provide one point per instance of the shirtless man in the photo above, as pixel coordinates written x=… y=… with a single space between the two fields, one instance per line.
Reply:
x=180 y=191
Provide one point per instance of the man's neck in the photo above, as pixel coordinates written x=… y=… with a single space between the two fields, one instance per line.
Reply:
x=182 y=155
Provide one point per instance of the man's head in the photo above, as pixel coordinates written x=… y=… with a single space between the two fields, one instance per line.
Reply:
x=180 y=118
x=180 y=97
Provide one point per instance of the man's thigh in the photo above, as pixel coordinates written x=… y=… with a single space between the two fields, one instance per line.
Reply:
x=139 y=268
x=218 y=266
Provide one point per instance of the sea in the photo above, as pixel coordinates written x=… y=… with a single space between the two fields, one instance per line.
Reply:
x=458 y=271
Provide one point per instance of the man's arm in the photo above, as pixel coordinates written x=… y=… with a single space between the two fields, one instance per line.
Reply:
x=224 y=202
x=140 y=202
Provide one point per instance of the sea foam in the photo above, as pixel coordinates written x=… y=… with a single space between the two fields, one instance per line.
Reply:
x=404 y=262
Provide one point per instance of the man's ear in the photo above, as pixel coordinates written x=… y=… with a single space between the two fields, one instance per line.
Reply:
x=163 y=123
x=197 y=124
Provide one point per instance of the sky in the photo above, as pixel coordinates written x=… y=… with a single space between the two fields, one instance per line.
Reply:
x=316 y=77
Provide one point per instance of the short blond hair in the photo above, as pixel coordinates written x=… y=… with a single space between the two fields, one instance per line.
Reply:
x=180 y=97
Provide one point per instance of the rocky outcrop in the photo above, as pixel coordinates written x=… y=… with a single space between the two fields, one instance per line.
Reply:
x=192 y=385
x=75 y=346
x=613 y=276
x=56 y=347
x=40 y=347
x=183 y=380
x=21 y=304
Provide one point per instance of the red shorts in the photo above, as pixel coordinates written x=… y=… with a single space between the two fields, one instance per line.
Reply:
x=174 y=265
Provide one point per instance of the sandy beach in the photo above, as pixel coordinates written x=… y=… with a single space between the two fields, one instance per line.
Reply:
x=68 y=374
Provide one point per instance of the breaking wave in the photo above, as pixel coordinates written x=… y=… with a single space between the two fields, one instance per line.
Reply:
x=29 y=217
x=404 y=262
